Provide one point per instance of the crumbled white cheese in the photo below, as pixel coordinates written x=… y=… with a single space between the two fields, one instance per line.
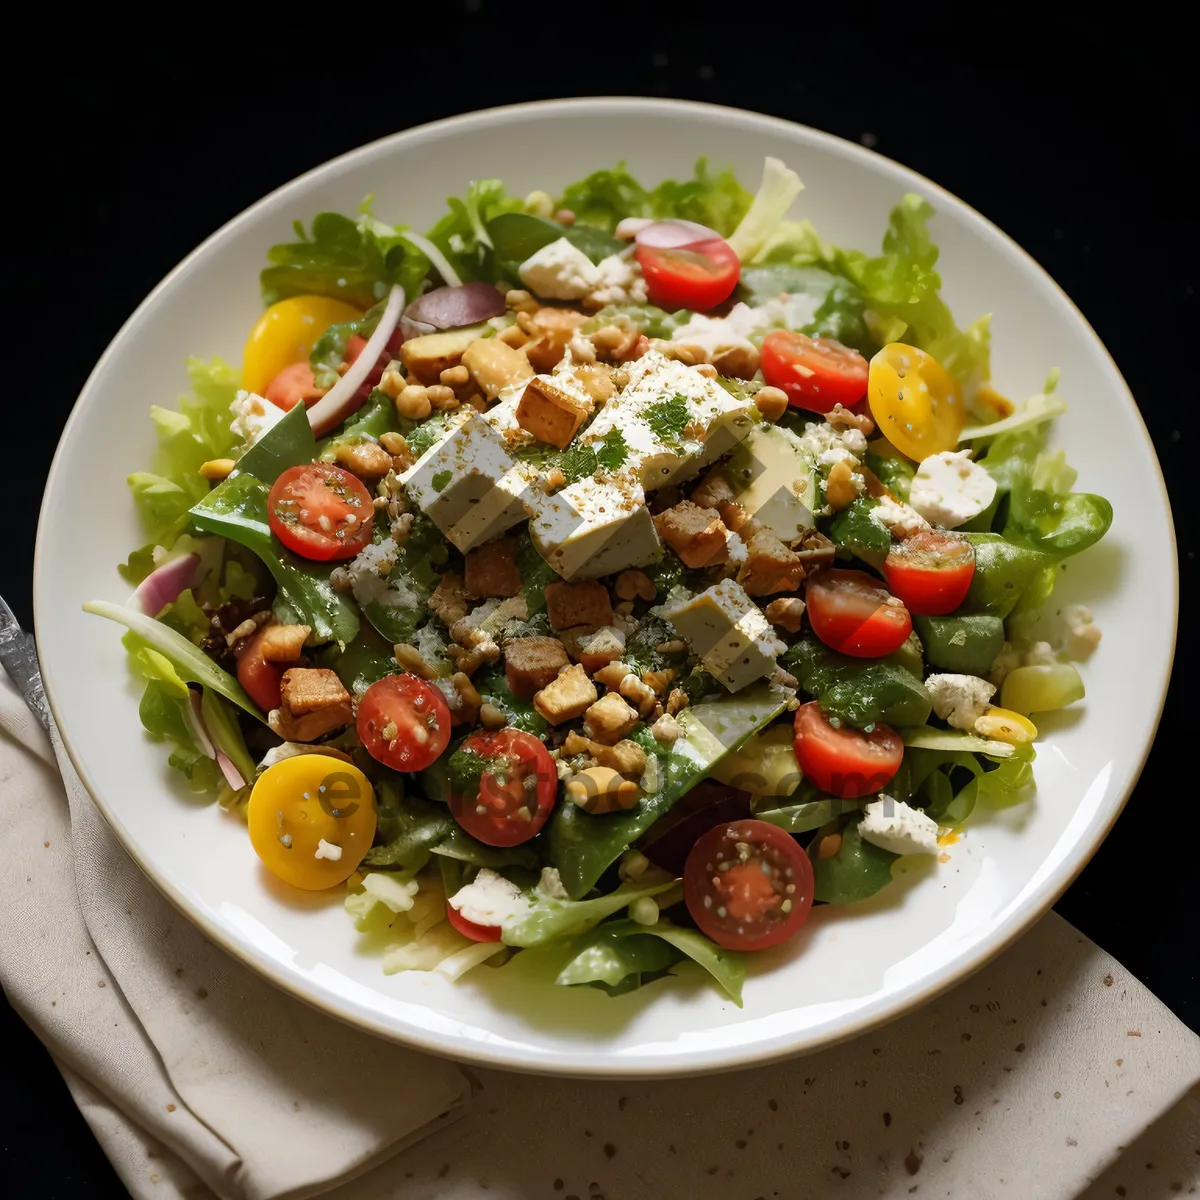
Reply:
x=372 y=580
x=735 y=549
x=960 y=700
x=893 y=825
x=489 y=899
x=1083 y=634
x=898 y=518
x=253 y=416
x=1040 y=654
x=713 y=335
x=559 y=271
x=551 y=884
x=621 y=282
x=1009 y=659
x=949 y=489
x=329 y=850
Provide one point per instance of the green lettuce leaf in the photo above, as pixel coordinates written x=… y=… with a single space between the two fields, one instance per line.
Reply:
x=545 y=919
x=779 y=188
x=606 y=197
x=221 y=721
x=856 y=872
x=197 y=432
x=237 y=509
x=190 y=662
x=352 y=260
x=462 y=234
x=288 y=443
x=164 y=714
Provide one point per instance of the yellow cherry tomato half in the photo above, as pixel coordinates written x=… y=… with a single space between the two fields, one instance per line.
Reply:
x=916 y=404
x=285 y=334
x=312 y=818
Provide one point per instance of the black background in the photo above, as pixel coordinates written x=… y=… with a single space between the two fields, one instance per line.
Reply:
x=1076 y=136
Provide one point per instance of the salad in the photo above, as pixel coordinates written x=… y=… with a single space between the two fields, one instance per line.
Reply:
x=619 y=574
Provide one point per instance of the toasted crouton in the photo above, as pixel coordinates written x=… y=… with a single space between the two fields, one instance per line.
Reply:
x=551 y=412
x=492 y=570
x=449 y=601
x=568 y=697
x=584 y=603
x=696 y=534
x=532 y=663
x=770 y=566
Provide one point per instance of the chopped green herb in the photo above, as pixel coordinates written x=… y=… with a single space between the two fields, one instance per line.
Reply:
x=578 y=463
x=668 y=418
x=467 y=768
x=441 y=479
x=613 y=452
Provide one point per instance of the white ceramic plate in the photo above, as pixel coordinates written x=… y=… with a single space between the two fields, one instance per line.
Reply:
x=852 y=968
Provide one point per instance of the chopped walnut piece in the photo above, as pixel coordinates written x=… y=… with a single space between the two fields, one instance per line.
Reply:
x=843 y=418
x=551 y=330
x=626 y=756
x=368 y=460
x=283 y=643
x=449 y=601
x=696 y=534
x=786 y=612
x=815 y=550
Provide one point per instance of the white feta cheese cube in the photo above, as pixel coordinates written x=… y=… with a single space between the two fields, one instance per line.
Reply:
x=899 y=519
x=960 y=700
x=253 y=416
x=728 y=632
x=620 y=282
x=489 y=899
x=949 y=489
x=559 y=271
x=469 y=484
x=595 y=528
x=893 y=825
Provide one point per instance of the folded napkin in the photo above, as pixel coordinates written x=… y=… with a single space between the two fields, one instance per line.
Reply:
x=1049 y=1071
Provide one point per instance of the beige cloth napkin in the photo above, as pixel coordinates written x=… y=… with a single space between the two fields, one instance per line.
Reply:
x=1051 y=1074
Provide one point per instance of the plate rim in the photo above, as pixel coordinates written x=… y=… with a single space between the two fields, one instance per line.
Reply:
x=736 y=1057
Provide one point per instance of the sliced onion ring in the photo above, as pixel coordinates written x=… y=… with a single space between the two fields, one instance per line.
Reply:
x=343 y=399
x=675 y=234
x=163 y=585
x=198 y=727
x=233 y=776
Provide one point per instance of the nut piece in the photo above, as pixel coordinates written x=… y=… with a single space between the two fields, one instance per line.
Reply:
x=639 y=693
x=612 y=674
x=411 y=659
x=368 y=460
x=840 y=488
x=843 y=418
x=713 y=490
x=283 y=643
x=532 y=663
x=568 y=697
x=786 y=612
x=551 y=329
x=449 y=600
x=815 y=550
x=217 y=469
x=677 y=701
x=490 y=717
x=770 y=566
x=442 y=398
x=463 y=699
x=666 y=730
x=657 y=681
x=412 y=402
x=551 y=413
x=602 y=790
x=696 y=534
x=491 y=569
x=635 y=585
x=609 y=719
x=772 y=402
x=582 y=603
x=495 y=366
x=626 y=756
x=597 y=381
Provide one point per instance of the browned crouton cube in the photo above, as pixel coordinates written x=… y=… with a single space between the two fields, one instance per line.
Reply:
x=770 y=566
x=609 y=719
x=583 y=603
x=598 y=648
x=495 y=366
x=532 y=663
x=492 y=569
x=551 y=412
x=626 y=756
x=449 y=601
x=551 y=329
x=568 y=697
x=713 y=490
x=307 y=689
x=696 y=534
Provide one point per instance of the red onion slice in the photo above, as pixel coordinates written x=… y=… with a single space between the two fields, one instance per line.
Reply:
x=344 y=398
x=233 y=776
x=163 y=585
x=675 y=233
x=198 y=726
x=453 y=307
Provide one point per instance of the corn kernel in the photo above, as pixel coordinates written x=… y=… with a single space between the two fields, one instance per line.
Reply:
x=1004 y=725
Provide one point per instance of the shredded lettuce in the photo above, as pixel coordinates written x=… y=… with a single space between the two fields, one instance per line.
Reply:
x=197 y=432
x=462 y=236
x=546 y=919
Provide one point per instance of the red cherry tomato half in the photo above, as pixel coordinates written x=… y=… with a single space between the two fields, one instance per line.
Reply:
x=748 y=885
x=294 y=385
x=321 y=511
x=516 y=789
x=853 y=613
x=476 y=932
x=843 y=761
x=817 y=373
x=260 y=679
x=698 y=276
x=403 y=722
x=931 y=571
